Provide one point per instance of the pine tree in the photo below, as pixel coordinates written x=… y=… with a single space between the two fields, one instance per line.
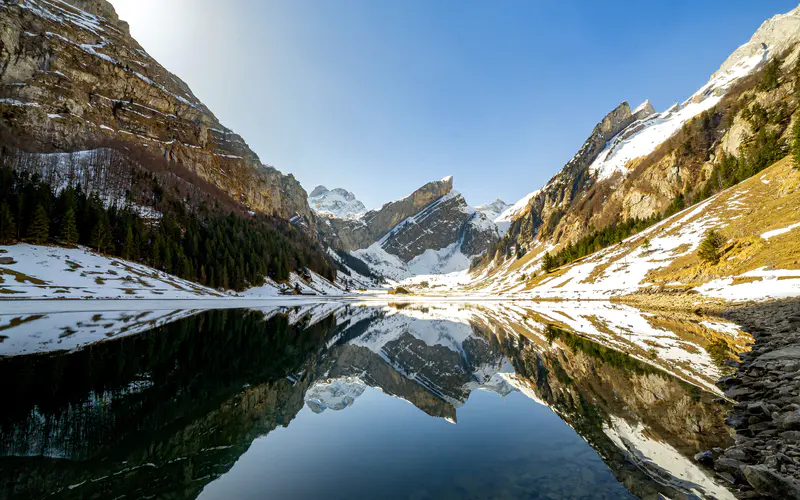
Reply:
x=128 y=250
x=101 y=234
x=39 y=230
x=796 y=144
x=69 y=230
x=771 y=77
x=8 y=229
x=710 y=246
x=646 y=244
x=548 y=263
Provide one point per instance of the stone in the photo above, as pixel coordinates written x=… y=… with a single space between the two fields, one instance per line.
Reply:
x=738 y=392
x=770 y=483
x=758 y=408
x=787 y=353
x=6 y=261
x=791 y=421
x=705 y=458
x=735 y=453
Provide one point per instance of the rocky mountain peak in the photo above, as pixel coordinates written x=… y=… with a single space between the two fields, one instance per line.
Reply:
x=644 y=110
x=773 y=37
x=336 y=202
x=493 y=210
x=101 y=8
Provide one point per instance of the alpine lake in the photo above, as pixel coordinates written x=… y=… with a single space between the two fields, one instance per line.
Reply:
x=345 y=400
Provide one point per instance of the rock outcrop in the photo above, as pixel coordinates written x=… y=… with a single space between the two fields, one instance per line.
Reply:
x=73 y=79
x=431 y=218
x=574 y=179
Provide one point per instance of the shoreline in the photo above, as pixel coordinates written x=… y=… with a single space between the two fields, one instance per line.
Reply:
x=764 y=462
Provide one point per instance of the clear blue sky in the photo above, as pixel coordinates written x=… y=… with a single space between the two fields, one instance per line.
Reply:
x=381 y=96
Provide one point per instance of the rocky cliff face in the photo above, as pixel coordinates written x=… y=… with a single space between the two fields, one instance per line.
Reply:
x=432 y=218
x=73 y=79
x=575 y=178
x=634 y=164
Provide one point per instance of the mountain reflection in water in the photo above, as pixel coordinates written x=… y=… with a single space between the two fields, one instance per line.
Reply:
x=553 y=400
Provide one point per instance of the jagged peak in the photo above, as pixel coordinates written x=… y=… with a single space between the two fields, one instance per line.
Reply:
x=643 y=110
x=318 y=191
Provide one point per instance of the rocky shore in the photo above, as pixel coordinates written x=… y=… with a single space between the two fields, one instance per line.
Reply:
x=764 y=462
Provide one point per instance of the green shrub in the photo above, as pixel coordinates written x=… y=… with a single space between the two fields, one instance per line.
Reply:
x=709 y=249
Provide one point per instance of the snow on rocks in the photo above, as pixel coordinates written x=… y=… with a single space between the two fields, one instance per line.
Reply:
x=336 y=203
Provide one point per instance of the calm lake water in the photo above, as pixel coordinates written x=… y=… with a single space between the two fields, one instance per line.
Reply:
x=340 y=401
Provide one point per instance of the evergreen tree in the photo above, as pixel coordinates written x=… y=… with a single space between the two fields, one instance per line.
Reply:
x=69 y=229
x=39 y=229
x=710 y=246
x=128 y=250
x=101 y=234
x=548 y=262
x=771 y=77
x=8 y=229
x=796 y=143
x=646 y=244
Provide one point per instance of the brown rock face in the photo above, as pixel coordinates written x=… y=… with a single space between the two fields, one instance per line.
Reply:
x=573 y=180
x=432 y=217
x=73 y=79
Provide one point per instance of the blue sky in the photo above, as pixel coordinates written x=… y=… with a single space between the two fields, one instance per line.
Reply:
x=381 y=96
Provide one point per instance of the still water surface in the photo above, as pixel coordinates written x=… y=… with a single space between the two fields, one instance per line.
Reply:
x=333 y=401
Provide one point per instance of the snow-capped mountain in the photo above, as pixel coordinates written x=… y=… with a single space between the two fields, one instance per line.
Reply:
x=493 y=210
x=431 y=231
x=336 y=202
x=628 y=168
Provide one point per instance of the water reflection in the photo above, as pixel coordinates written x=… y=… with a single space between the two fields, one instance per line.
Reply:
x=179 y=403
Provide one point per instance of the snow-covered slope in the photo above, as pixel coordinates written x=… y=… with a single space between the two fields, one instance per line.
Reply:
x=493 y=210
x=503 y=220
x=336 y=203
x=649 y=130
x=77 y=273
x=759 y=217
x=50 y=272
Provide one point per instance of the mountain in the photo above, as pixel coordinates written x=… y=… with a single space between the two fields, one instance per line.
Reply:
x=83 y=102
x=133 y=164
x=493 y=210
x=431 y=231
x=336 y=203
x=638 y=167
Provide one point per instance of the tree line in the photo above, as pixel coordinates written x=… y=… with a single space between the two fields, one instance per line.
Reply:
x=229 y=252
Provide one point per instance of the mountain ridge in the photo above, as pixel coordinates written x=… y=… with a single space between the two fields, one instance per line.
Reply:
x=76 y=80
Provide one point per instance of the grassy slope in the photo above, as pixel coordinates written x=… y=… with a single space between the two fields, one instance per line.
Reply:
x=767 y=201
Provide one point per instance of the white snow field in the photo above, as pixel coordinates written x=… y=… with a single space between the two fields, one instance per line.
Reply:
x=50 y=272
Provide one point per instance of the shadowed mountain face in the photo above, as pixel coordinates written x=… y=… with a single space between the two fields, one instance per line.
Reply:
x=84 y=104
x=185 y=408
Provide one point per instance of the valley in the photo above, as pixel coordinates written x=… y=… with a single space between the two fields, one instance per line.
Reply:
x=175 y=312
